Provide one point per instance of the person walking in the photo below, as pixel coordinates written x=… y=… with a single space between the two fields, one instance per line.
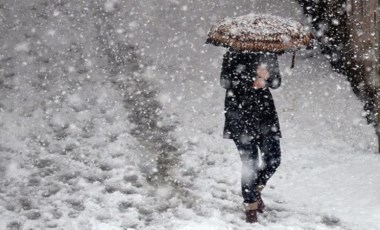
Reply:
x=251 y=120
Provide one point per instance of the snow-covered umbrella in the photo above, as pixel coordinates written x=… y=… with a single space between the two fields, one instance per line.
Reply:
x=260 y=32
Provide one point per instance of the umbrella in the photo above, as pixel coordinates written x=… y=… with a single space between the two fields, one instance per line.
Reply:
x=260 y=33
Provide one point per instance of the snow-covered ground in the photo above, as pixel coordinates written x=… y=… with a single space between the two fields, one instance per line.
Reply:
x=78 y=141
x=328 y=177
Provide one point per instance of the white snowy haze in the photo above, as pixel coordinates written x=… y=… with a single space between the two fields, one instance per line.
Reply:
x=111 y=118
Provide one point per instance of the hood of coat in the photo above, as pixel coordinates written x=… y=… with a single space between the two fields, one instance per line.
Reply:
x=249 y=61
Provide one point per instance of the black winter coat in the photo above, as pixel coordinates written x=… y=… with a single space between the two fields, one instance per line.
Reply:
x=249 y=112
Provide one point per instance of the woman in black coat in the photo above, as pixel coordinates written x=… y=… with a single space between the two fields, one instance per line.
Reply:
x=251 y=120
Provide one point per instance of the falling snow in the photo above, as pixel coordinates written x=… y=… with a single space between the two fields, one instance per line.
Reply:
x=111 y=118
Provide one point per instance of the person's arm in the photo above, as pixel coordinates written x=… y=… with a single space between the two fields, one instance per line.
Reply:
x=274 y=80
x=227 y=71
x=230 y=76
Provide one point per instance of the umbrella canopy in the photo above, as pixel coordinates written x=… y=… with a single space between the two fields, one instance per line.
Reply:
x=260 y=32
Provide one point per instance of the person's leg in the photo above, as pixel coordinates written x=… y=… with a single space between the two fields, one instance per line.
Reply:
x=271 y=156
x=248 y=153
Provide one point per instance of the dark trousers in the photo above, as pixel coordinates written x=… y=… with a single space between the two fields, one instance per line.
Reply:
x=253 y=173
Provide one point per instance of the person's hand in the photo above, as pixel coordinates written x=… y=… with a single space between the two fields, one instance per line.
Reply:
x=258 y=83
x=262 y=75
x=262 y=72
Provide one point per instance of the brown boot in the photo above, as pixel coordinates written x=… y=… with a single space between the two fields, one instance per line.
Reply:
x=261 y=205
x=251 y=211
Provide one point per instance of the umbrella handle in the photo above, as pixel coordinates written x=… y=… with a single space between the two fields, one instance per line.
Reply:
x=293 y=59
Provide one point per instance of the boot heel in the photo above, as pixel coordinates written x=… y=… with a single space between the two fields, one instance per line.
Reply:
x=251 y=211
